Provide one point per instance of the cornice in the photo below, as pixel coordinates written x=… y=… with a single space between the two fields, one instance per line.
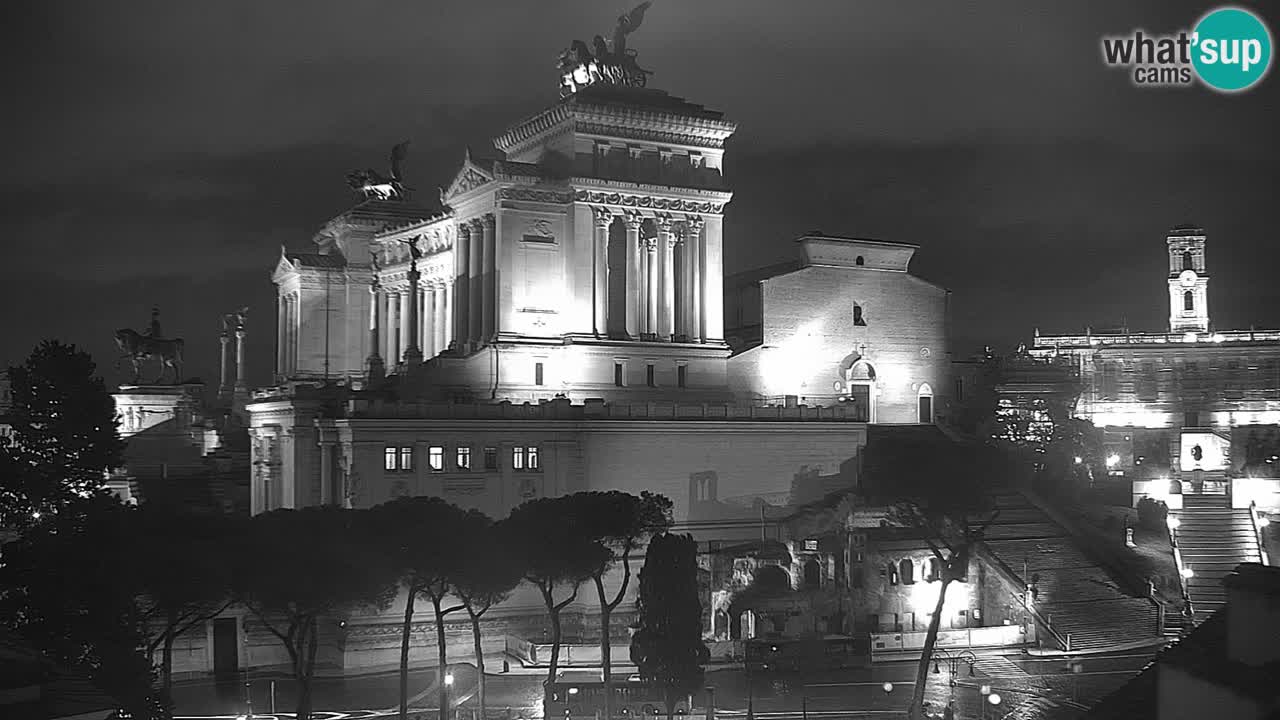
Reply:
x=644 y=201
x=623 y=121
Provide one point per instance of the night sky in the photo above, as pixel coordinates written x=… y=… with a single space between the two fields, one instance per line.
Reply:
x=159 y=153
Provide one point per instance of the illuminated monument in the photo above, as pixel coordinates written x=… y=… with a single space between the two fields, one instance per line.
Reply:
x=556 y=323
x=1196 y=405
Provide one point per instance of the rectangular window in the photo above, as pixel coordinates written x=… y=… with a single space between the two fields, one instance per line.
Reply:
x=649 y=378
x=463 y=460
x=491 y=458
x=619 y=371
x=406 y=458
x=435 y=458
x=682 y=376
x=389 y=459
x=1110 y=389
x=525 y=459
x=537 y=373
x=959 y=389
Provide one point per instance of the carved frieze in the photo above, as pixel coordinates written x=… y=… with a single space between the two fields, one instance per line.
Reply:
x=529 y=195
x=648 y=202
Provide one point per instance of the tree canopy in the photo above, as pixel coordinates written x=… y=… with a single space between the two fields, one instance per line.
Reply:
x=668 y=647
x=65 y=435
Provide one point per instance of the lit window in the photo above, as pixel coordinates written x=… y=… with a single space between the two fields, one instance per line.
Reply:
x=649 y=377
x=491 y=458
x=406 y=458
x=435 y=458
x=619 y=374
x=537 y=373
x=389 y=459
x=524 y=459
x=682 y=376
x=464 y=458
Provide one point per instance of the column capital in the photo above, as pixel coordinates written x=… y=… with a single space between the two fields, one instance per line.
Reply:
x=694 y=223
x=604 y=217
x=488 y=220
x=664 y=223
x=650 y=244
x=633 y=219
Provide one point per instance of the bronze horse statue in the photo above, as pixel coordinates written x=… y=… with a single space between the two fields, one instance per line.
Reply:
x=138 y=347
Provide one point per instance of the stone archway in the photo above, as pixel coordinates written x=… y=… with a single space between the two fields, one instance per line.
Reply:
x=859 y=380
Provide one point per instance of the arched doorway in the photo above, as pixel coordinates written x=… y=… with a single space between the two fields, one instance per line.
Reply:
x=812 y=574
x=924 y=400
x=860 y=386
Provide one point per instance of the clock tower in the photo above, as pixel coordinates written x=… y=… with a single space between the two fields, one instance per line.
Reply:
x=1188 y=280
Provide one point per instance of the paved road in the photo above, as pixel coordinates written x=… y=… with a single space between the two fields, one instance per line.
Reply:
x=1030 y=689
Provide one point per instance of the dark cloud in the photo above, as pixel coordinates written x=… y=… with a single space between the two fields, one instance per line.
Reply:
x=161 y=153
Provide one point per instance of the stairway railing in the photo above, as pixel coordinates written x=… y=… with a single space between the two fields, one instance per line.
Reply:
x=1189 y=610
x=1257 y=532
x=986 y=553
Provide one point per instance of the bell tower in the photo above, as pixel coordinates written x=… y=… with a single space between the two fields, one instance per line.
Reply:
x=1188 y=280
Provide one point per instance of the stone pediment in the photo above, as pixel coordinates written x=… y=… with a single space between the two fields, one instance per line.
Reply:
x=284 y=267
x=470 y=176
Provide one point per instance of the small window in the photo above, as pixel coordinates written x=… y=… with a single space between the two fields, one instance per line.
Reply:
x=1188 y=261
x=649 y=377
x=389 y=459
x=935 y=570
x=491 y=458
x=907 y=571
x=524 y=459
x=1188 y=301
x=463 y=459
x=406 y=458
x=893 y=576
x=857 y=316
x=959 y=389
x=435 y=458
x=619 y=374
x=859 y=261
x=682 y=375
x=537 y=373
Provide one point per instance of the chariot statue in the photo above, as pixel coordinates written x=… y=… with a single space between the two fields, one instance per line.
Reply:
x=376 y=186
x=138 y=347
x=593 y=61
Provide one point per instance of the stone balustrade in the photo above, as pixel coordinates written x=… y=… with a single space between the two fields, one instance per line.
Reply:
x=595 y=409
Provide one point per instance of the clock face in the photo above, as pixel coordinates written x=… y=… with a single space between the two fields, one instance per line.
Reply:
x=1187 y=278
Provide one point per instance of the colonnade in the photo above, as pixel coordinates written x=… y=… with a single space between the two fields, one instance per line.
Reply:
x=392 y=311
x=659 y=305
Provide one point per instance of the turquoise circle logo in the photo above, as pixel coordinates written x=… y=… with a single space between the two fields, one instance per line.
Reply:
x=1232 y=49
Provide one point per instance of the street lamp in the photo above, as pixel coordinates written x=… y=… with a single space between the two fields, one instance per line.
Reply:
x=887 y=687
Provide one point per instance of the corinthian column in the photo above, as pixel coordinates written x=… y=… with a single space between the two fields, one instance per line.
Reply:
x=693 y=260
x=475 y=303
x=666 y=278
x=651 y=287
x=282 y=330
x=461 y=285
x=600 y=274
x=376 y=368
x=488 y=266
x=225 y=379
x=635 y=281
x=412 y=352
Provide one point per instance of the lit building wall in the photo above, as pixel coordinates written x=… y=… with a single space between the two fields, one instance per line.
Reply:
x=851 y=314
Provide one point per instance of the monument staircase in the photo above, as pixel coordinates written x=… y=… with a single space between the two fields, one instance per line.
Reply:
x=1083 y=604
x=1212 y=539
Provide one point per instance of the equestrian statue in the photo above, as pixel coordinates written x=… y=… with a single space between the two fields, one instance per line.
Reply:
x=137 y=347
